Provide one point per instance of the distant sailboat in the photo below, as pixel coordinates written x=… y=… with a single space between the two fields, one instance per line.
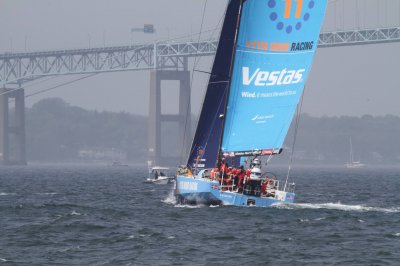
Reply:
x=352 y=163
x=263 y=59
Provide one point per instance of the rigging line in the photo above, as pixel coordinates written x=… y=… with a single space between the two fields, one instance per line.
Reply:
x=198 y=117
x=335 y=16
x=211 y=37
x=269 y=158
x=200 y=71
x=235 y=42
x=188 y=36
x=299 y=107
x=213 y=122
x=40 y=81
x=60 y=85
x=188 y=112
x=210 y=73
x=386 y=13
x=343 y=16
x=10 y=91
x=357 y=16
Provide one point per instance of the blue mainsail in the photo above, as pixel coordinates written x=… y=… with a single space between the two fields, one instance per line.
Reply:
x=275 y=47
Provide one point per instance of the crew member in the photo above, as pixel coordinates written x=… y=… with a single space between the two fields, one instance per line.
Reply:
x=240 y=177
x=223 y=168
x=264 y=188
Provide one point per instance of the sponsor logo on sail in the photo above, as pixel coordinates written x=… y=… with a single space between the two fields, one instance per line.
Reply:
x=200 y=151
x=252 y=153
x=294 y=18
x=281 y=47
x=260 y=119
x=302 y=46
x=286 y=23
x=260 y=78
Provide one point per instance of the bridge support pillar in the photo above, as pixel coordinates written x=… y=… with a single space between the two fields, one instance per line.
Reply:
x=160 y=150
x=12 y=127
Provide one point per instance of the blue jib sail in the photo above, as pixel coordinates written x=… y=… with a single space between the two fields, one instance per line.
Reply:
x=274 y=52
x=207 y=139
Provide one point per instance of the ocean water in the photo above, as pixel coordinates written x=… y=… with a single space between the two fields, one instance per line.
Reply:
x=59 y=215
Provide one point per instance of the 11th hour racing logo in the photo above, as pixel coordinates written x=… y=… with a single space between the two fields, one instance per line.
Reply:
x=264 y=78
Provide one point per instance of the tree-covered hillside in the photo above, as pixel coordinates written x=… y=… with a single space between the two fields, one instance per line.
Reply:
x=59 y=132
x=327 y=139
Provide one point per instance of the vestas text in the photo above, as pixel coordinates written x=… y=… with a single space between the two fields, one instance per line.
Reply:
x=264 y=78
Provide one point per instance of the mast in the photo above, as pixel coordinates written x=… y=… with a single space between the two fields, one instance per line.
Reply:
x=219 y=157
x=351 y=152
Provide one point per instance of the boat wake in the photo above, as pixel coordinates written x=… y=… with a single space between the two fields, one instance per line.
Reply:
x=340 y=207
x=170 y=199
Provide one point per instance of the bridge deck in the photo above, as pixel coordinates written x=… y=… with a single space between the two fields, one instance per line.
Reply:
x=23 y=67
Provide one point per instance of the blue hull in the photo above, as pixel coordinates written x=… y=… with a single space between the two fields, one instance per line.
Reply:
x=206 y=191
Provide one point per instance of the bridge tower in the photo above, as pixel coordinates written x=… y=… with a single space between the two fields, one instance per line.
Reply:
x=12 y=126
x=158 y=153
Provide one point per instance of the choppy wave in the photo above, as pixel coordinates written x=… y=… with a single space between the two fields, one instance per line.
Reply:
x=189 y=206
x=99 y=217
x=75 y=213
x=341 y=207
x=7 y=194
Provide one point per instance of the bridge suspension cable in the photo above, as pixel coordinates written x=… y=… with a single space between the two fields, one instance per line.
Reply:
x=18 y=68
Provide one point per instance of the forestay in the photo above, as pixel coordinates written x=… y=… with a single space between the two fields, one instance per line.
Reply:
x=207 y=139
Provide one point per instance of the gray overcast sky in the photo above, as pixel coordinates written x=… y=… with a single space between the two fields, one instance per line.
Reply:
x=344 y=81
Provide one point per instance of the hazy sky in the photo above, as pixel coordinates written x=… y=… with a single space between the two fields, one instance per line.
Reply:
x=344 y=81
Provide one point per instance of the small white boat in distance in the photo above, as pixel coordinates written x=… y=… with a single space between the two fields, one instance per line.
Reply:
x=157 y=176
x=356 y=164
x=119 y=164
x=352 y=163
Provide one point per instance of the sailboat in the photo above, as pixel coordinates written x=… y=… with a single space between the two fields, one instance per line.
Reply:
x=263 y=59
x=352 y=163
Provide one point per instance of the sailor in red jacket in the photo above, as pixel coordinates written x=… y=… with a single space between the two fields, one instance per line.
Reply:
x=223 y=168
x=240 y=177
